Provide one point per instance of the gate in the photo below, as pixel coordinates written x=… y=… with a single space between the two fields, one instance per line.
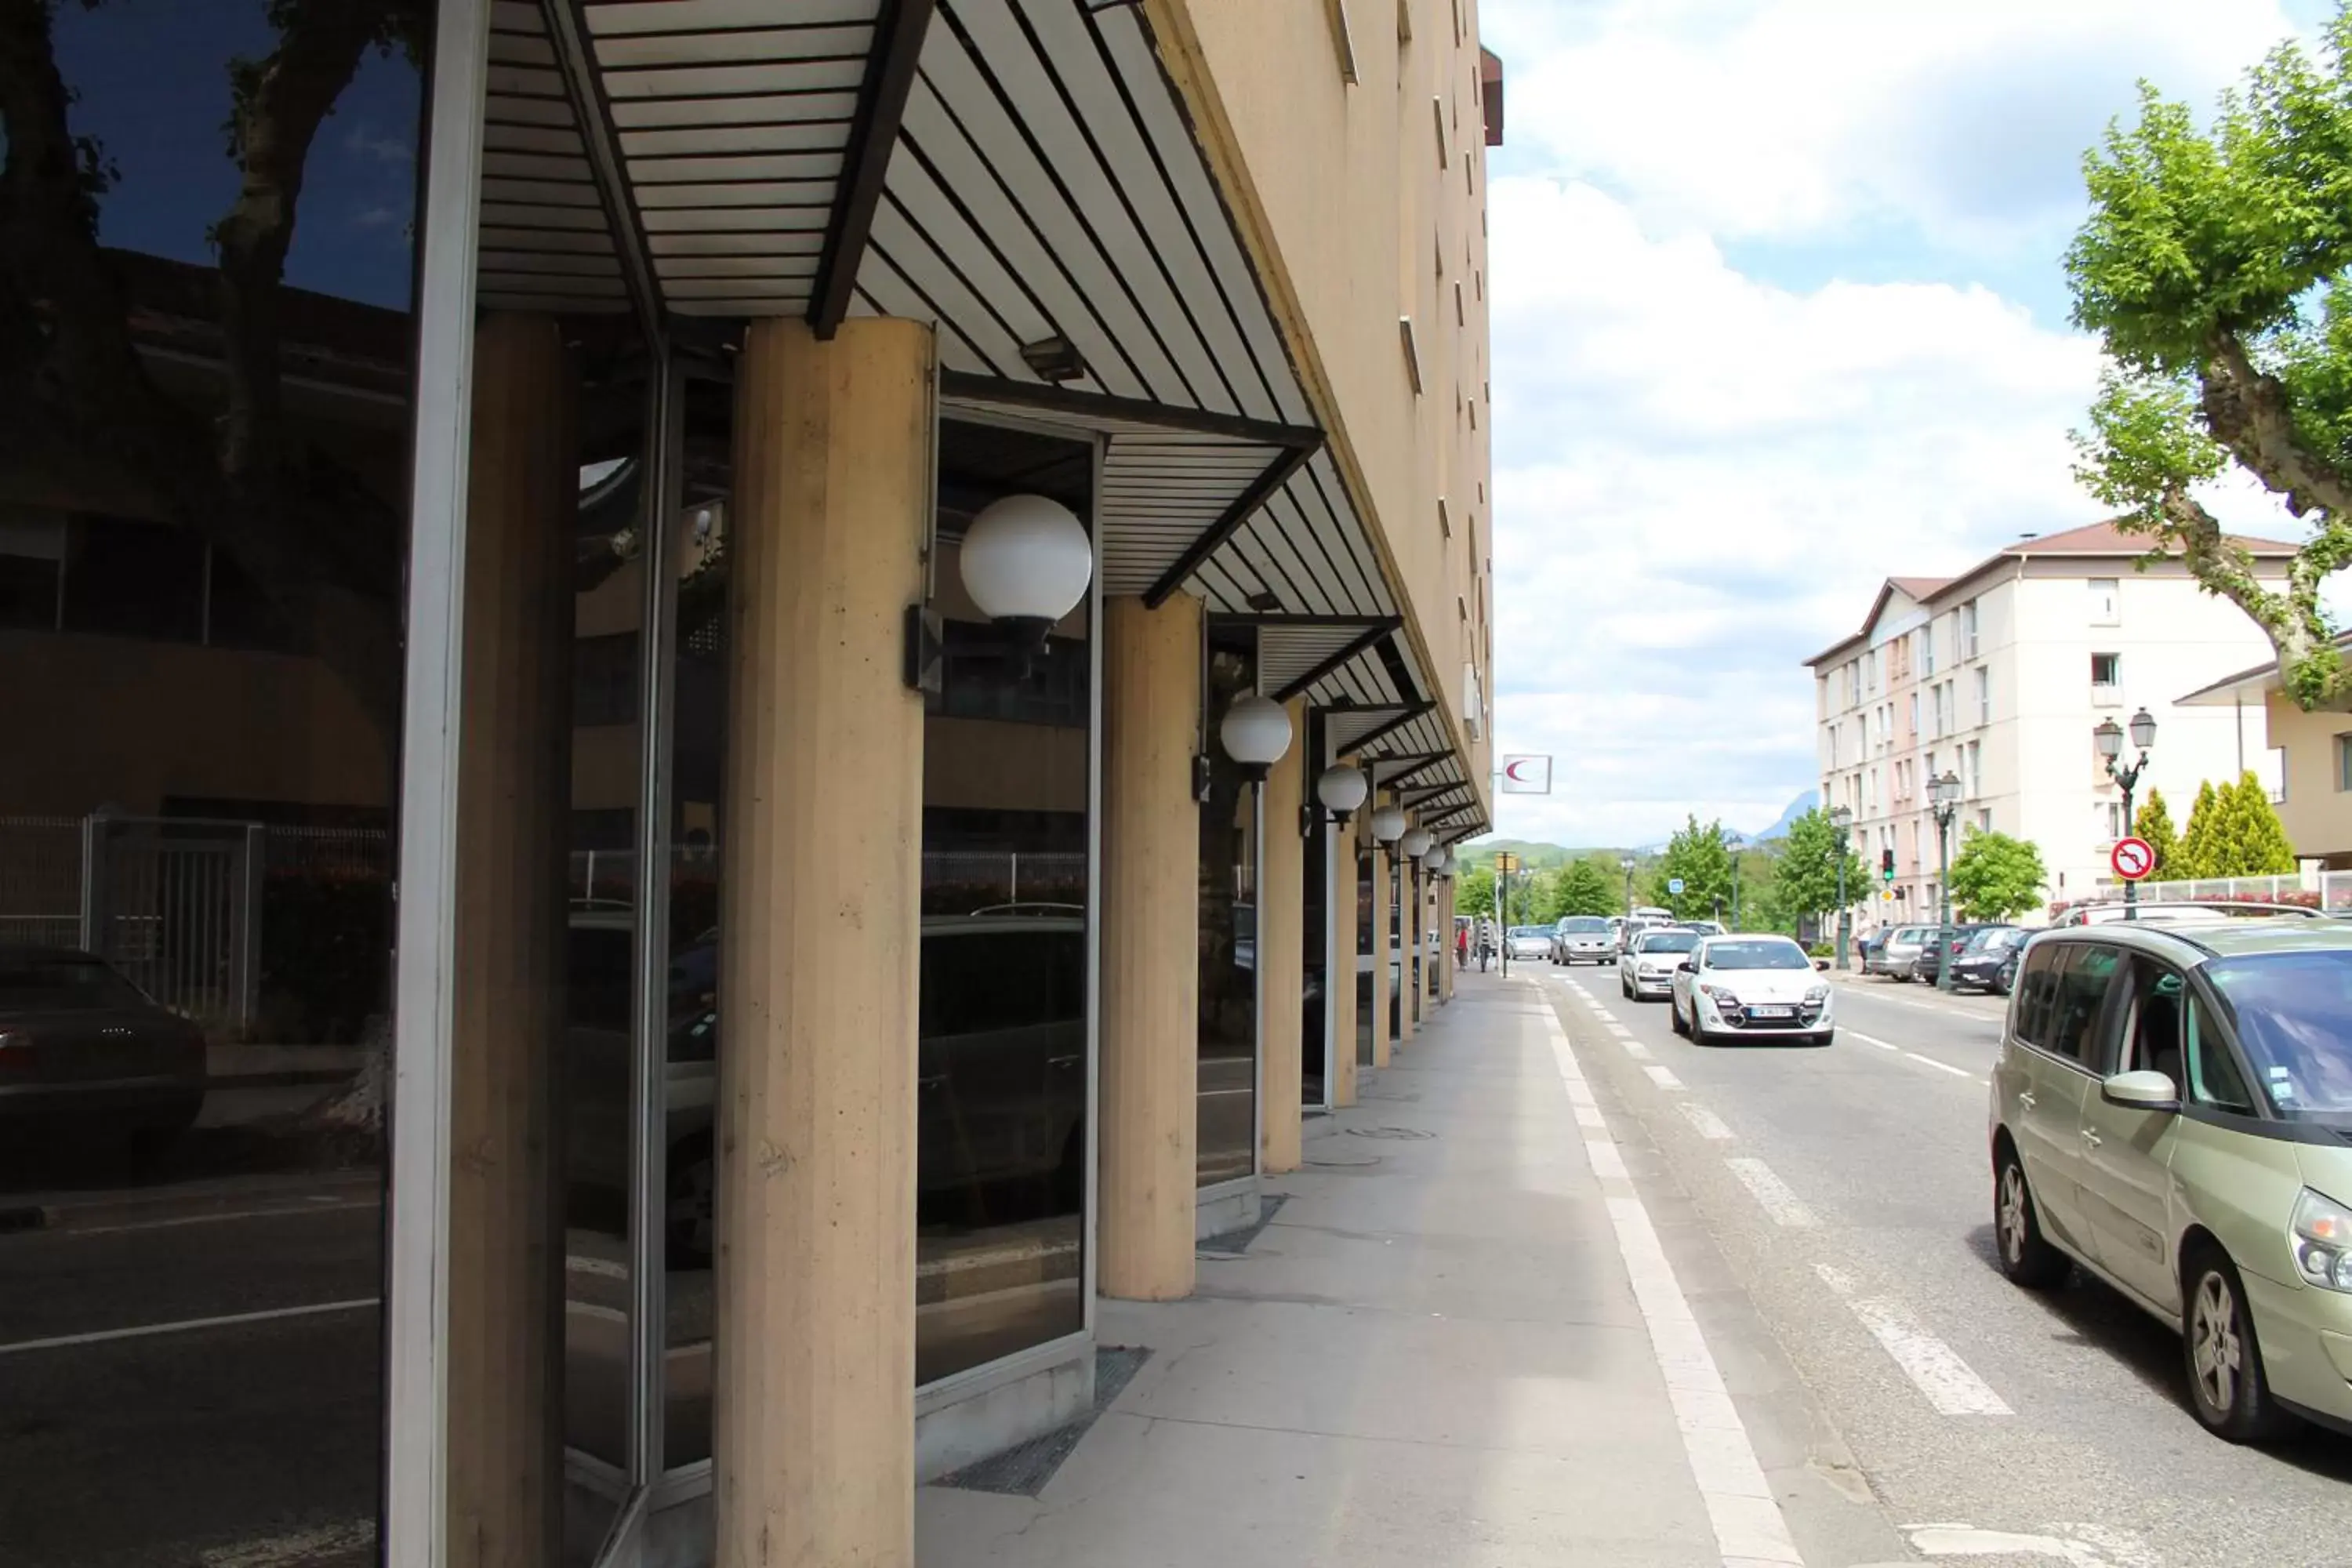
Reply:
x=174 y=905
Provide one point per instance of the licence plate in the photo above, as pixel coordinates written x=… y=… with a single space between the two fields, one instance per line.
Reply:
x=1771 y=1012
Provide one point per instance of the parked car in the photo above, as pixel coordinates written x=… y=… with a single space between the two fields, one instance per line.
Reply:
x=1647 y=970
x=2171 y=1111
x=1704 y=928
x=1868 y=948
x=2106 y=910
x=1942 y=942
x=1732 y=987
x=86 y=1056
x=1898 y=951
x=1583 y=938
x=1988 y=962
x=1529 y=942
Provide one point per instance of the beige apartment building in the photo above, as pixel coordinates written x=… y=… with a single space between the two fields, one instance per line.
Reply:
x=2314 y=780
x=1998 y=676
x=771 y=614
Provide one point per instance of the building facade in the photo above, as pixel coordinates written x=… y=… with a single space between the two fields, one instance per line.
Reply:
x=672 y=662
x=2313 y=784
x=1998 y=676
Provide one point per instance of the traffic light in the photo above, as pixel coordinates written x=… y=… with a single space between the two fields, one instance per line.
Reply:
x=1886 y=865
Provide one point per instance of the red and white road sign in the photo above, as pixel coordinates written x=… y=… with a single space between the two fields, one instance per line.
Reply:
x=2133 y=858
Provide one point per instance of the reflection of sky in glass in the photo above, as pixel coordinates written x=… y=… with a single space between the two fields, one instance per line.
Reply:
x=2294 y=1013
x=153 y=80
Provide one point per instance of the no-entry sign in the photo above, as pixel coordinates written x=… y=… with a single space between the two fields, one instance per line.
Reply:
x=2133 y=858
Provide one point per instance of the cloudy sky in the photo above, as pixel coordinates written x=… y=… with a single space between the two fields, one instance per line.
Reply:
x=1778 y=313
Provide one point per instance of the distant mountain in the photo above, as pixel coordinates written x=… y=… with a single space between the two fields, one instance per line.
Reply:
x=1796 y=808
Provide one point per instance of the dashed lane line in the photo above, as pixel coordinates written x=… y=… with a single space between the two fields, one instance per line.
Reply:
x=1939 y=1066
x=1777 y=1198
x=1664 y=1077
x=1935 y=1369
x=1709 y=1125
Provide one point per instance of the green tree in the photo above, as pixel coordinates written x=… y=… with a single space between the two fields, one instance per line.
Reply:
x=2194 y=857
x=2245 y=837
x=2216 y=269
x=2154 y=823
x=1701 y=857
x=1585 y=890
x=1807 y=876
x=1996 y=877
x=1474 y=892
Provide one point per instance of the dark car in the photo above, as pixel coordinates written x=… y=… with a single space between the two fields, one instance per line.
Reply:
x=1955 y=939
x=85 y=1056
x=1988 y=962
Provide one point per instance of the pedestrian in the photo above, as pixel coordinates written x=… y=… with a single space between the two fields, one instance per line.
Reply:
x=1486 y=943
x=1461 y=945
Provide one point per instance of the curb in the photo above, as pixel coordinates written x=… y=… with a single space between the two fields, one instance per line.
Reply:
x=75 y=1214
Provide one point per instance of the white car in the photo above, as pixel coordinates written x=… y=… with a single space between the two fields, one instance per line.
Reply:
x=1736 y=987
x=1530 y=942
x=1647 y=968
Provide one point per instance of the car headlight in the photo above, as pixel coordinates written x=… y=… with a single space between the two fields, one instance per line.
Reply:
x=1817 y=994
x=1721 y=996
x=2323 y=1241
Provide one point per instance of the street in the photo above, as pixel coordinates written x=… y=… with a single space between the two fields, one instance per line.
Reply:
x=1848 y=1191
x=166 y=1382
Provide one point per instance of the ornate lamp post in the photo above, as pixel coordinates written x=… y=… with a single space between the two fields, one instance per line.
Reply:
x=2110 y=738
x=1841 y=819
x=1944 y=796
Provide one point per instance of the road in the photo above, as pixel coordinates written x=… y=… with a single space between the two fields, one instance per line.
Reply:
x=1848 y=1190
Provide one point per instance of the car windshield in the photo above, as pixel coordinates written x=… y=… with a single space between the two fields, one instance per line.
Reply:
x=1531 y=930
x=1756 y=955
x=1583 y=925
x=43 y=983
x=2294 y=1016
x=1668 y=941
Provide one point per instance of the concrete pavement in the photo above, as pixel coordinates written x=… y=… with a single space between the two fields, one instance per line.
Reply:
x=1850 y=1192
x=1471 y=1335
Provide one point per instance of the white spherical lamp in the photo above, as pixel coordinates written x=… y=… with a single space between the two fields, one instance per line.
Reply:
x=1388 y=824
x=1342 y=789
x=1027 y=562
x=1433 y=862
x=1256 y=733
x=1415 y=843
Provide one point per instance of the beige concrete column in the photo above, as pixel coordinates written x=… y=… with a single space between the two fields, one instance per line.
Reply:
x=1281 y=914
x=819 y=916
x=1339 y=979
x=514 y=816
x=1150 y=1086
x=1381 y=954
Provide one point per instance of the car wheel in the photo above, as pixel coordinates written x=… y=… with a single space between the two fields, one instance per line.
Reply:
x=691 y=1214
x=1626 y=986
x=2226 y=1385
x=1674 y=1016
x=2027 y=1256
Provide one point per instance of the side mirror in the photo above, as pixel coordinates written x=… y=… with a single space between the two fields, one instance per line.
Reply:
x=1684 y=966
x=2141 y=1091
x=1821 y=966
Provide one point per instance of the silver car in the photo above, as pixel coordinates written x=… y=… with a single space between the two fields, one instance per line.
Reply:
x=1583 y=938
x=1647 y=970
x=1896 y=956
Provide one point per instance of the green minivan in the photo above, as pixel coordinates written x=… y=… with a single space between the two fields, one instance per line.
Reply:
x=2172 y=1110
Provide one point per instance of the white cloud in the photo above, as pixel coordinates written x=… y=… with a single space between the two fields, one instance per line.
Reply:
x=1961 y=120
x=1701 y=480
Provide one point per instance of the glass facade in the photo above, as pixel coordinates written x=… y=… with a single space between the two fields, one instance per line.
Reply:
x=1228 y=1034
x=208 y=224
x=1368 y=994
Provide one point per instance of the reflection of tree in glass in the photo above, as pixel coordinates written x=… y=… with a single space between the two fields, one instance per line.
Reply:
x=321 y=545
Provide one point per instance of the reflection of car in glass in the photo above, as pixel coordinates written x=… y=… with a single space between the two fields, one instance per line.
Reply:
x=1583 y=938
x=1530 y=942
x=1647 y=969
x=2172 y=1110
x=1001 y=1076
x=1988 y=962
x=84 y=1054
x=1734 y=986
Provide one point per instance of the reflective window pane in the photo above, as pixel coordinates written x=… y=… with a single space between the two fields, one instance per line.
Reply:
x=204 y=529
x=1228 y=1068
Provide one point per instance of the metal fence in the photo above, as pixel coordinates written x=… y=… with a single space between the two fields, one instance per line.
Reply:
x=2330 y=890
x=40 y=880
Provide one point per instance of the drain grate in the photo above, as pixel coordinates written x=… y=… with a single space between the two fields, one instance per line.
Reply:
x=1024 y=1470
x=1407 y=1133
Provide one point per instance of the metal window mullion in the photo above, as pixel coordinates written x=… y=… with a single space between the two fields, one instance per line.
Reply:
x=417 y=1285
x=1088 y=1225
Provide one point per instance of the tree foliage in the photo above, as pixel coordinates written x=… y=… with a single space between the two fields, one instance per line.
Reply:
x=1996 y=877
x=2154 y=823
x=1582 y=888
x=2234 y=831
x=2216 y=269
x=1701 y=857
x=1806 y=878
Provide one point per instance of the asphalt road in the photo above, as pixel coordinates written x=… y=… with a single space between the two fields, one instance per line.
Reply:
x=1848 y=1189
x=138 y=1428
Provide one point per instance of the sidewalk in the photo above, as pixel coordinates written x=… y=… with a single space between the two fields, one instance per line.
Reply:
x=1434 y=1355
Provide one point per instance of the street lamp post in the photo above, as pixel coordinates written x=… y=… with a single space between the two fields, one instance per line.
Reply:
x=1626 y=866
x=2110 y=738
x=1944 y=794
x=1840 y=819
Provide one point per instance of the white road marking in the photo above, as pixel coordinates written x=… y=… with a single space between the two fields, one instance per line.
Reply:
x=1664 y=1077
x=1604 y=1014
x=1934 y=1367
x=1872 y=1040
x=1749 y=1530
x=298 y=1547
x=1939 y=1066
x=311 y=1205
x=148 y=1330
x=1708 y=1124
x=1634 y=1048
x=1590 y=1117
x=1607 y=1162
x=603 y=1268
x=1778 y=1200
x=2082 y=1545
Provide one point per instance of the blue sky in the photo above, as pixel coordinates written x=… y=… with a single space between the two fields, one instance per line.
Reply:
x=1778 y=313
